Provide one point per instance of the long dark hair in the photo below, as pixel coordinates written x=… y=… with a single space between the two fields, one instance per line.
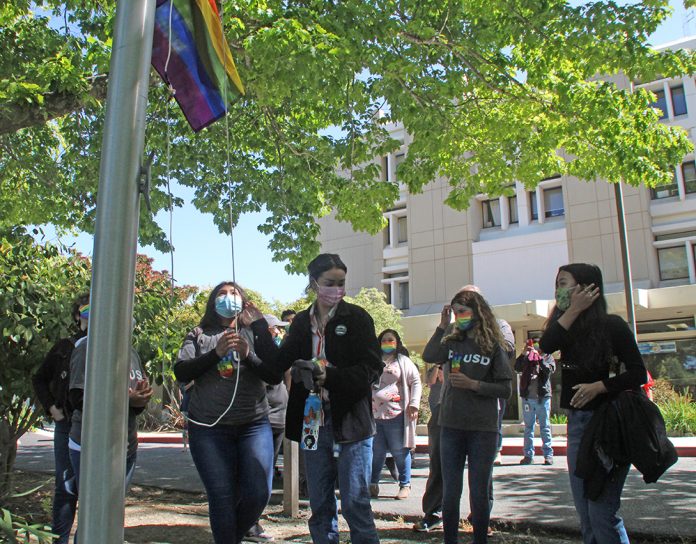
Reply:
x=589 y=327
x=320 y=264
x=400 y=348
x=210 y=318
x=486 y=331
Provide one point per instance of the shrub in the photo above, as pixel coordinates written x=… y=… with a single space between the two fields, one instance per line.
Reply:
x=679 y=412
x=559 y=419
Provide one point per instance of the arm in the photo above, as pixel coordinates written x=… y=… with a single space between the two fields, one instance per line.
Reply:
x=264 y=372
x=521 y=361
x=276 y=359
x=41 y=380
x=189 y=367
x=625 y=348
x=414 y=383
x=435 y=352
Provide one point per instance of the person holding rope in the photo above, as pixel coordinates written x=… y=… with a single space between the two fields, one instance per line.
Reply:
x=230 y=436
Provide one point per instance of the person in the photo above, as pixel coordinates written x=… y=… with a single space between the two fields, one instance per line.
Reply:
x=395 y=403
x=432 y=497
x=288 y=316
x=230 y=436
x=535 y=390
x=476 y=374
x=139 y=394
x=589 y=339
x=335 y=360
x=51 y=382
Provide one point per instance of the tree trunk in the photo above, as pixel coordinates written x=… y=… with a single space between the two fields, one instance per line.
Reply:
x=8 y=454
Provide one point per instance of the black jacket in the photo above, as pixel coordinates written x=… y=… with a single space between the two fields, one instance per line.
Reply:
x=628 y=430
x=356 y=364
x=51 y=381
x=544 y=367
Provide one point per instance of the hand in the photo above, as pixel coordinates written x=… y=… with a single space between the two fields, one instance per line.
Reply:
x=412 y=413
x=462 y=381
x=302 y=372
x=249 y=314
x=140 y=396
x=445 y=316
x=583 y=297
x=319 y=373
x=586 y=393
x=56 y=413
x=240 y=345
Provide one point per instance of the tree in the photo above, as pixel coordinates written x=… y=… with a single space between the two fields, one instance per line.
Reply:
x=489 y=91
x=383 y=314
x=38 y=287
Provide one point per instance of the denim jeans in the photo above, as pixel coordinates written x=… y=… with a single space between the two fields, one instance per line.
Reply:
x=479 y=447
x=599 y=520
x=537 y=410
x=64 y=503
x=390 y=438
x=352 y=468
x=235 y=464
x=432 y=498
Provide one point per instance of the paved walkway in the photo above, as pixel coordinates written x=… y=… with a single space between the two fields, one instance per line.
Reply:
x=535 y=495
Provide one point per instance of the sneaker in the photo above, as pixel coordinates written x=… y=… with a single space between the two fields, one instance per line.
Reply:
x=403 y=493
x=498 y=460
x=257 y=534
x=526 y=461
x=427 y=524
x=374 y=490
x=548 y=460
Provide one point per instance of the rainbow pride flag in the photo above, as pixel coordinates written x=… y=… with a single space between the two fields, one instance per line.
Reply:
x=200 y=68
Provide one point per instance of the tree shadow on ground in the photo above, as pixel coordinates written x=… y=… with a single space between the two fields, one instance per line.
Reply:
x=172 y=534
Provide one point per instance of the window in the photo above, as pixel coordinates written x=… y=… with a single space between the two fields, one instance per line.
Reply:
x=512 y=206
x=534 y=211
x=672 y=262
x=678 y=100
x=689 y=174
x=665 y=191
x=675 y=235
x=403 y=295
x=666 y=325
x=491 y=213
x=385 y=169
x=661 y=103
x=398 y=159
x=553 y=202
x=401 y=229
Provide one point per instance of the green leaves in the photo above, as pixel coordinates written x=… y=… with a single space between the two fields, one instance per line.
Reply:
x=490 y=92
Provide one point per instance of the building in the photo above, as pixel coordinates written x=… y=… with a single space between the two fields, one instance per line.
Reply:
x=512 y=246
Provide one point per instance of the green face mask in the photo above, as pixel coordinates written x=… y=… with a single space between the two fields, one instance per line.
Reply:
x=563 y=297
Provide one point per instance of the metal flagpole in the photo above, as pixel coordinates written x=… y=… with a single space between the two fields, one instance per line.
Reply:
x=102 y=471
x=625 y=257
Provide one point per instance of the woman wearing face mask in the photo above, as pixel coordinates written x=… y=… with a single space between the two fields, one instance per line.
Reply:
x=334 y=355
x=476 y=374
x=230 y=435
x=395 y=402
x=589 y=339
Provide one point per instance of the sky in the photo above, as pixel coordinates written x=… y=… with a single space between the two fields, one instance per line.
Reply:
x=202 y=255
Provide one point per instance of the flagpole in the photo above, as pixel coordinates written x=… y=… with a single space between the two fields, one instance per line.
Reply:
x=102 y=471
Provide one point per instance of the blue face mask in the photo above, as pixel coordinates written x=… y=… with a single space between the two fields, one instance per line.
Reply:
x=228 y=306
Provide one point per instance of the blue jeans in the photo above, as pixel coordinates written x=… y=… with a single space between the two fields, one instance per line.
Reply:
x=390 y=438
x=352 y=468
x=64 y=503
x=235 y=463
x=480 y=449
x=537 y=410
x=599 y=520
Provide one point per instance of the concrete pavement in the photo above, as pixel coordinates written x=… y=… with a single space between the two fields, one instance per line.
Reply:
x=533 y=495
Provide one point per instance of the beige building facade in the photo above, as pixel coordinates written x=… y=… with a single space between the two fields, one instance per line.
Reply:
x=512 y=246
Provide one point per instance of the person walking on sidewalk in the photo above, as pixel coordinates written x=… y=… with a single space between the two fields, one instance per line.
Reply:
x=395 y=402
x=51 y=383
x=591 y=341
x=476 y=374
x=535 y=390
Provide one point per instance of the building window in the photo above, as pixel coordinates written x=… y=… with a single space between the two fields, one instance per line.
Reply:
x=398 y=159
x=396 y=289
x=553 y=202
x=675 y=235
x=403 y=302
x=402 y=229
x=678 y=100
x=660 y=103
x=512 y=207
x=665 y=191
x=491 y=213
x=689 y=174
x=533 y=209
x=385 y=168
x=672 y=261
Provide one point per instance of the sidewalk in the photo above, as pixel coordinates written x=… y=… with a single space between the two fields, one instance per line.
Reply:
x=532 y=496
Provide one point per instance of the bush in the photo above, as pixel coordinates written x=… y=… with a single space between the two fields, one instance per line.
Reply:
x=679 y=412
x=559 y=419
x=663 y=392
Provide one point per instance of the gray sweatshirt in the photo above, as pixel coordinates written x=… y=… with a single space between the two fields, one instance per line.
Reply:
x=462 y=408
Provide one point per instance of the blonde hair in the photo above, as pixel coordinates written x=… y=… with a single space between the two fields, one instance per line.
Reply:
x=486 y=331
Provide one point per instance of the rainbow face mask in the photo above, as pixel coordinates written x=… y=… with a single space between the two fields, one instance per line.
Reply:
x=84 y=311
x=464 y=320
x=388 y=347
